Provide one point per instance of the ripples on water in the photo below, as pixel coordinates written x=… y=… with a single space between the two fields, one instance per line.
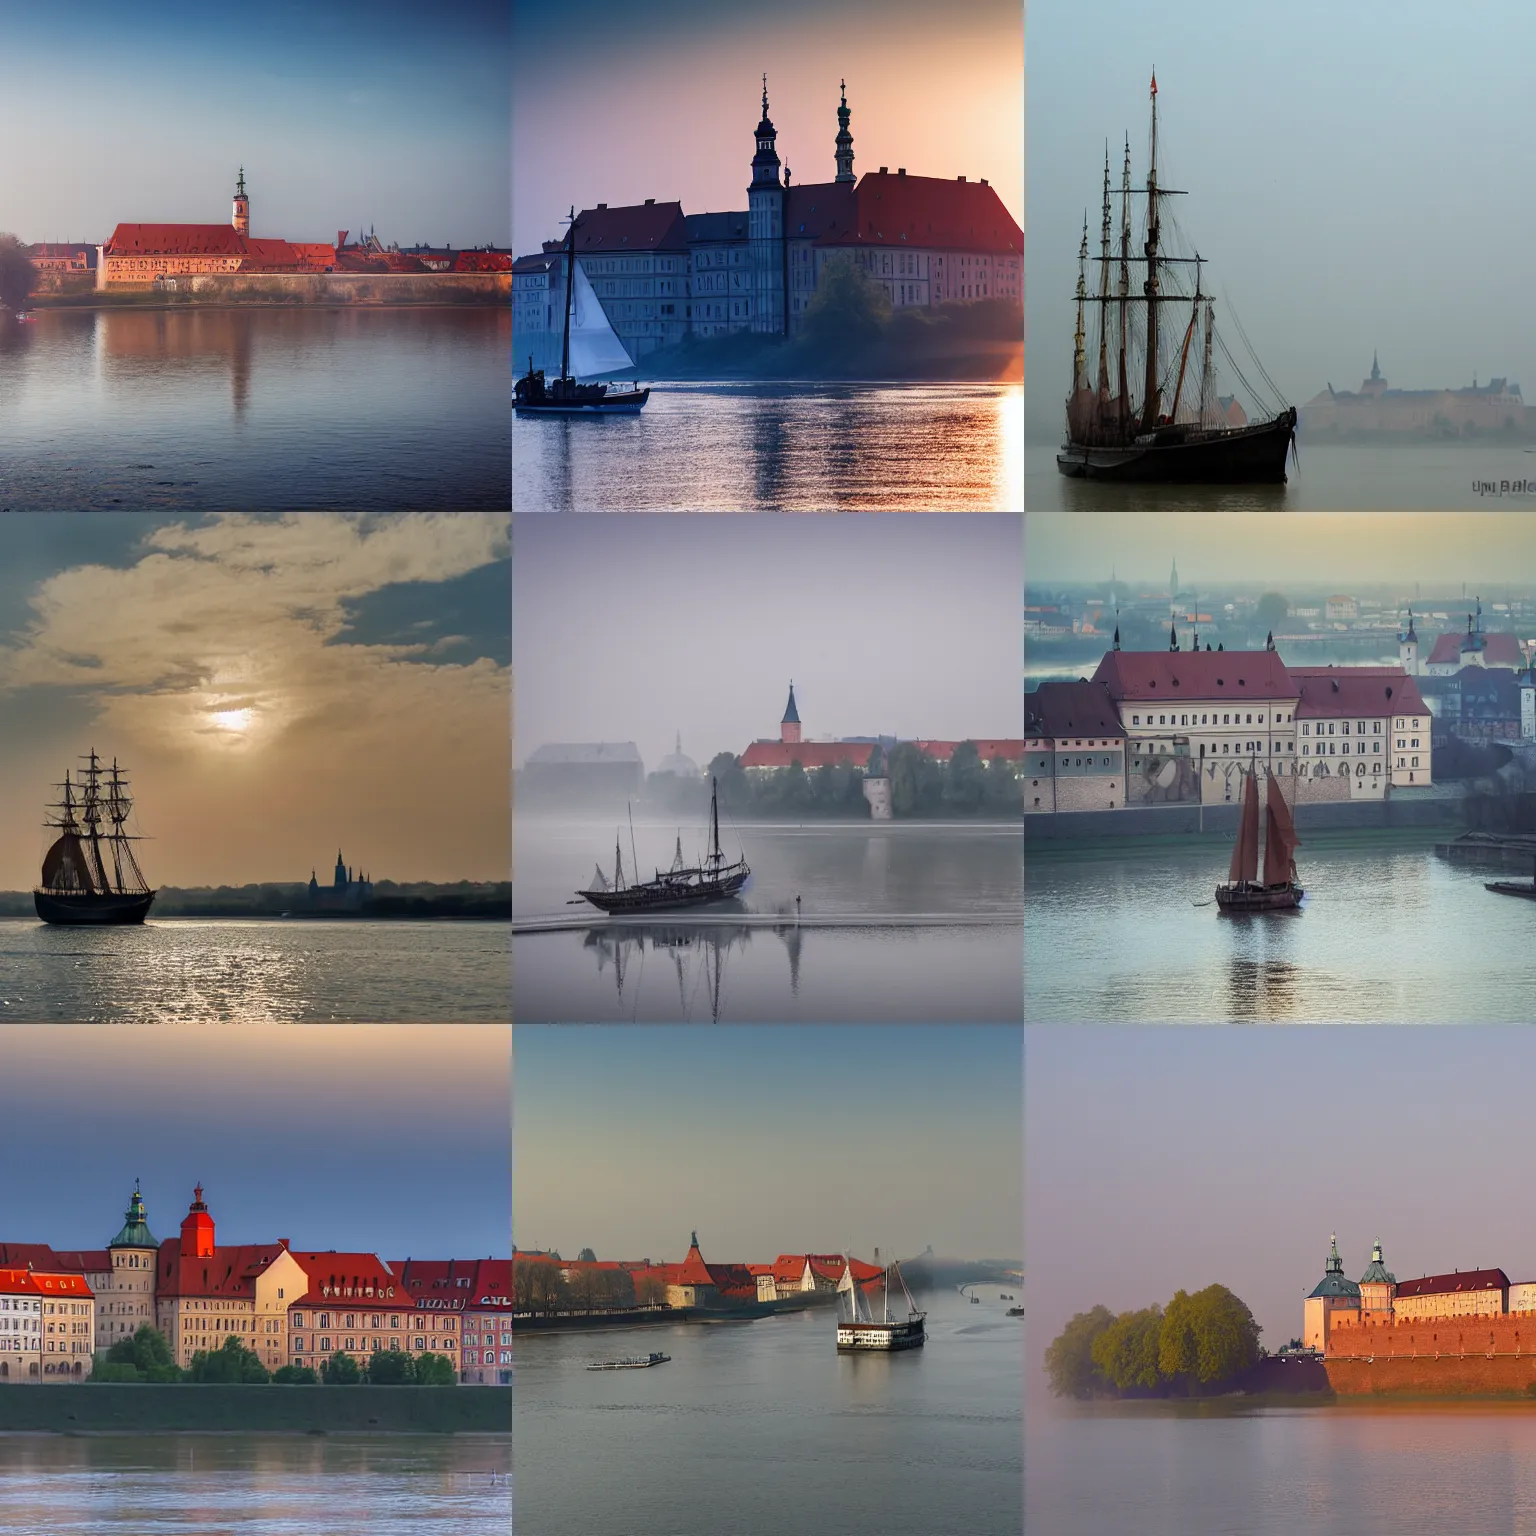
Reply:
x=1385 y=936
x=782 y=448
x=254 y=1485
x=191 y=971
x=256 y=408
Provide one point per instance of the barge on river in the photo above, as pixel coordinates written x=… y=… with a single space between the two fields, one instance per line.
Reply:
x=861 y=1331
x=631 y=1363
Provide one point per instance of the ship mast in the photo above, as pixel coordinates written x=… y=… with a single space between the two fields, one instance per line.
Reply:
x=714 y=821
x=1149 y=411
x=1104 y=287
x=1125 y=274
x=91 y=815
x=1205 y=367
x=1079 y=357
x=570 y=295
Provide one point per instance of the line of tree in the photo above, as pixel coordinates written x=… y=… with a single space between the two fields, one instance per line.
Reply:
x=1197 y=1344
x=17 y=274
x=146 y=1357
x=921 y=786
x=539 y=1287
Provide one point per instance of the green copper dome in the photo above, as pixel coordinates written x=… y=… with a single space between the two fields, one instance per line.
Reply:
x=135 y=1233
x=1334 y=1282
x=1376 y=1272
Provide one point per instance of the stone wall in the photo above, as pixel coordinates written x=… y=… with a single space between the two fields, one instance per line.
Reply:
x=1140 y=821
x=334 y=288
x=1433 y=1356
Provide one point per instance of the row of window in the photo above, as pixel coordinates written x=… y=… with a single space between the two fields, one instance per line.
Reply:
x=1229 y=717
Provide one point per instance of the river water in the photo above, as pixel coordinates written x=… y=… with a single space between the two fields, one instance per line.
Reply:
x=758 y=1429
x=250 y=971
x=254 y=1485
x=1333 y=477
x=900 y=921
x=780 y=447
x=1345 y=1470
x=251 y=408
x=1386 y=935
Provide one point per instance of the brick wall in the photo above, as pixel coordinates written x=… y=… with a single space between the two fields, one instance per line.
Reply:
x=1452 y=1355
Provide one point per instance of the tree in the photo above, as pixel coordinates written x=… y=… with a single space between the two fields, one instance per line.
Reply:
x=144 y=1357
x=1126 y=1354
x=797 y=793
x=434 y=1370
x=294 y=1376
x=1271 y=612
x=1000 y=793
x=1069 y=1356
x=17 y=274
x=848 y=309
x=1207 y=1339
x=341 y=1370
x=965 y=779
x=875 y=767
x=391 y=1368
x=231 y=1363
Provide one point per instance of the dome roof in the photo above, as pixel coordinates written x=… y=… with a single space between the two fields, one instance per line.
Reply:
x=675 y=762
x=1334 y=1282
x=1377 y=1273
x=135 y=1233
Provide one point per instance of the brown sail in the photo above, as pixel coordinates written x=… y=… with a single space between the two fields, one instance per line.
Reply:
x=66 y=867
x=1280 y=840
x=1245 y=853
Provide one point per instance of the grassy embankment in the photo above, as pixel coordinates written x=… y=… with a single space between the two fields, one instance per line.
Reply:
x=152 y=1408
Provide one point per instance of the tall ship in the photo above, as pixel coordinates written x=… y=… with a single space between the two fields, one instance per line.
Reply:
x=90 y=873
x=861 y=1330
x=683 y=885
x=1279 y=890
x=1173 y=428
x=589 y=346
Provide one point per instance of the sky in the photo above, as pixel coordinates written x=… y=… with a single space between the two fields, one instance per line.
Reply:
x=635 y=628
x=767 y=1140
x=274 y=686
x=391 y=1139
x=1159 y=1158
x=344 y=113
x=1437 y=550
x=662 y=100
x=1353 y=177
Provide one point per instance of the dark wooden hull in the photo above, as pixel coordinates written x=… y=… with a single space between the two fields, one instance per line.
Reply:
x=1511 y=888
x=1259 y=898
x=665 y=896
x=565 y=397
x=96 y=910
x=1254 y=455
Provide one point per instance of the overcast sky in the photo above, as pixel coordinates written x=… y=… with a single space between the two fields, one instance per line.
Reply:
x=768 y=1140
x=632 y=628
x=1437 y=550
x=274 y=687
x=1354 y=177
x=662 y=100
x=343 y=112
x=1160 y=1158
x=392 y=1139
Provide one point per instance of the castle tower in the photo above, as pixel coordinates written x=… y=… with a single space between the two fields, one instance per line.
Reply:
x=1378 y=1289
x=765 y=228
x=197 y=1229
x=339 y=880
x=242 y=214
x=789 y=727
x=844 y=156
x=1333 y=1293
x=130 y=1301
x=1408 y=648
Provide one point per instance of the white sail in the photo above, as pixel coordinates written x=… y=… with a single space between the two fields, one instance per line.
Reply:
x=595 y=348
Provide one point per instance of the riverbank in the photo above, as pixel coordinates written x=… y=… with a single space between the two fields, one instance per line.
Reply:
x=286 y=290
x=164 y=1408
x=652 y=1317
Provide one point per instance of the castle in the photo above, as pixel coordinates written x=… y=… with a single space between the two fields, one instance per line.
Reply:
x=1375 y=409
x=664 y=276
x=344 y=893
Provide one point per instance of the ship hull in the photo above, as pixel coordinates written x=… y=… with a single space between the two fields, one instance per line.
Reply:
x=1252 y=897
x=94 y=910
x=653 y=898
x=1511 y=888
x=883 y=1338
x=618 y=405
x=1243 y=456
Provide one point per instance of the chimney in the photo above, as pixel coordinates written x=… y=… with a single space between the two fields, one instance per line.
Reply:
x=602 y=207
x=901 y=170
x=650 y=202
x=985 y=182
x=959 y=178
x=885 y=170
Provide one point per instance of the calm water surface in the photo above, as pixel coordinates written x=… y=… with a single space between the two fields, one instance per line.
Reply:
x=191 y=970
x=254 y=1485
x=1334 y=477
x=252 y=408
x=911 y=921
x=1385 y=936
x=1336 y=1471
x=758 y=1429
x=720 y=447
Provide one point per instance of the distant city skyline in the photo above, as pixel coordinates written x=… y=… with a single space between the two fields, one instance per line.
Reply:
x=343 y=114
x=685 y=80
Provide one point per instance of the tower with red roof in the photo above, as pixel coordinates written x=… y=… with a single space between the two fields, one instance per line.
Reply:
x=789 y=727
x=241 y=218
x=197 y=1228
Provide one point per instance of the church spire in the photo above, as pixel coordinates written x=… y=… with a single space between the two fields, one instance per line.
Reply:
x=765 y=163
x=844 y=156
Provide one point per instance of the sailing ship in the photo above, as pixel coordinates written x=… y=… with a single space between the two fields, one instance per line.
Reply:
x=862 y=1330
x=90 y=874
x=1176 y=431
x=589 y=346
x=1279 y=890
x=680 y=886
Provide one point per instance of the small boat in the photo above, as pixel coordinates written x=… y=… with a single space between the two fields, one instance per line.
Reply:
x=1279 y=890
x=631 y=1363
x=1170 y=434
x=862 y=1331
x=90 y=875
x=25 y=316
x=680 y=886
x=589 y=346
x=1015 y=1311
x=1512 y=888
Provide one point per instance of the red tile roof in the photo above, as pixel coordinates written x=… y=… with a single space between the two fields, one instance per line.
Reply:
x=1331 y=692
x=175 y=240
x=932 y=213
x=809 y=754
x=789 y=1266
x=335 y=1279
x=987 y=748
x=229 y=1271
x=639 y=227
x=1071 y=709
x=1171 y=676
x=1499 y=650
x=37 y=1282
x=41 y=1256
x=482 y=261
x=734 y=1280
x=1464 y=1280
x=693 y=1270
x=493 y=1284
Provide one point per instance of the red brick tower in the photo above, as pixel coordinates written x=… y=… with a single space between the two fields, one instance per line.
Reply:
x=242 y=214
x=789 y=727
x=197 y=1229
